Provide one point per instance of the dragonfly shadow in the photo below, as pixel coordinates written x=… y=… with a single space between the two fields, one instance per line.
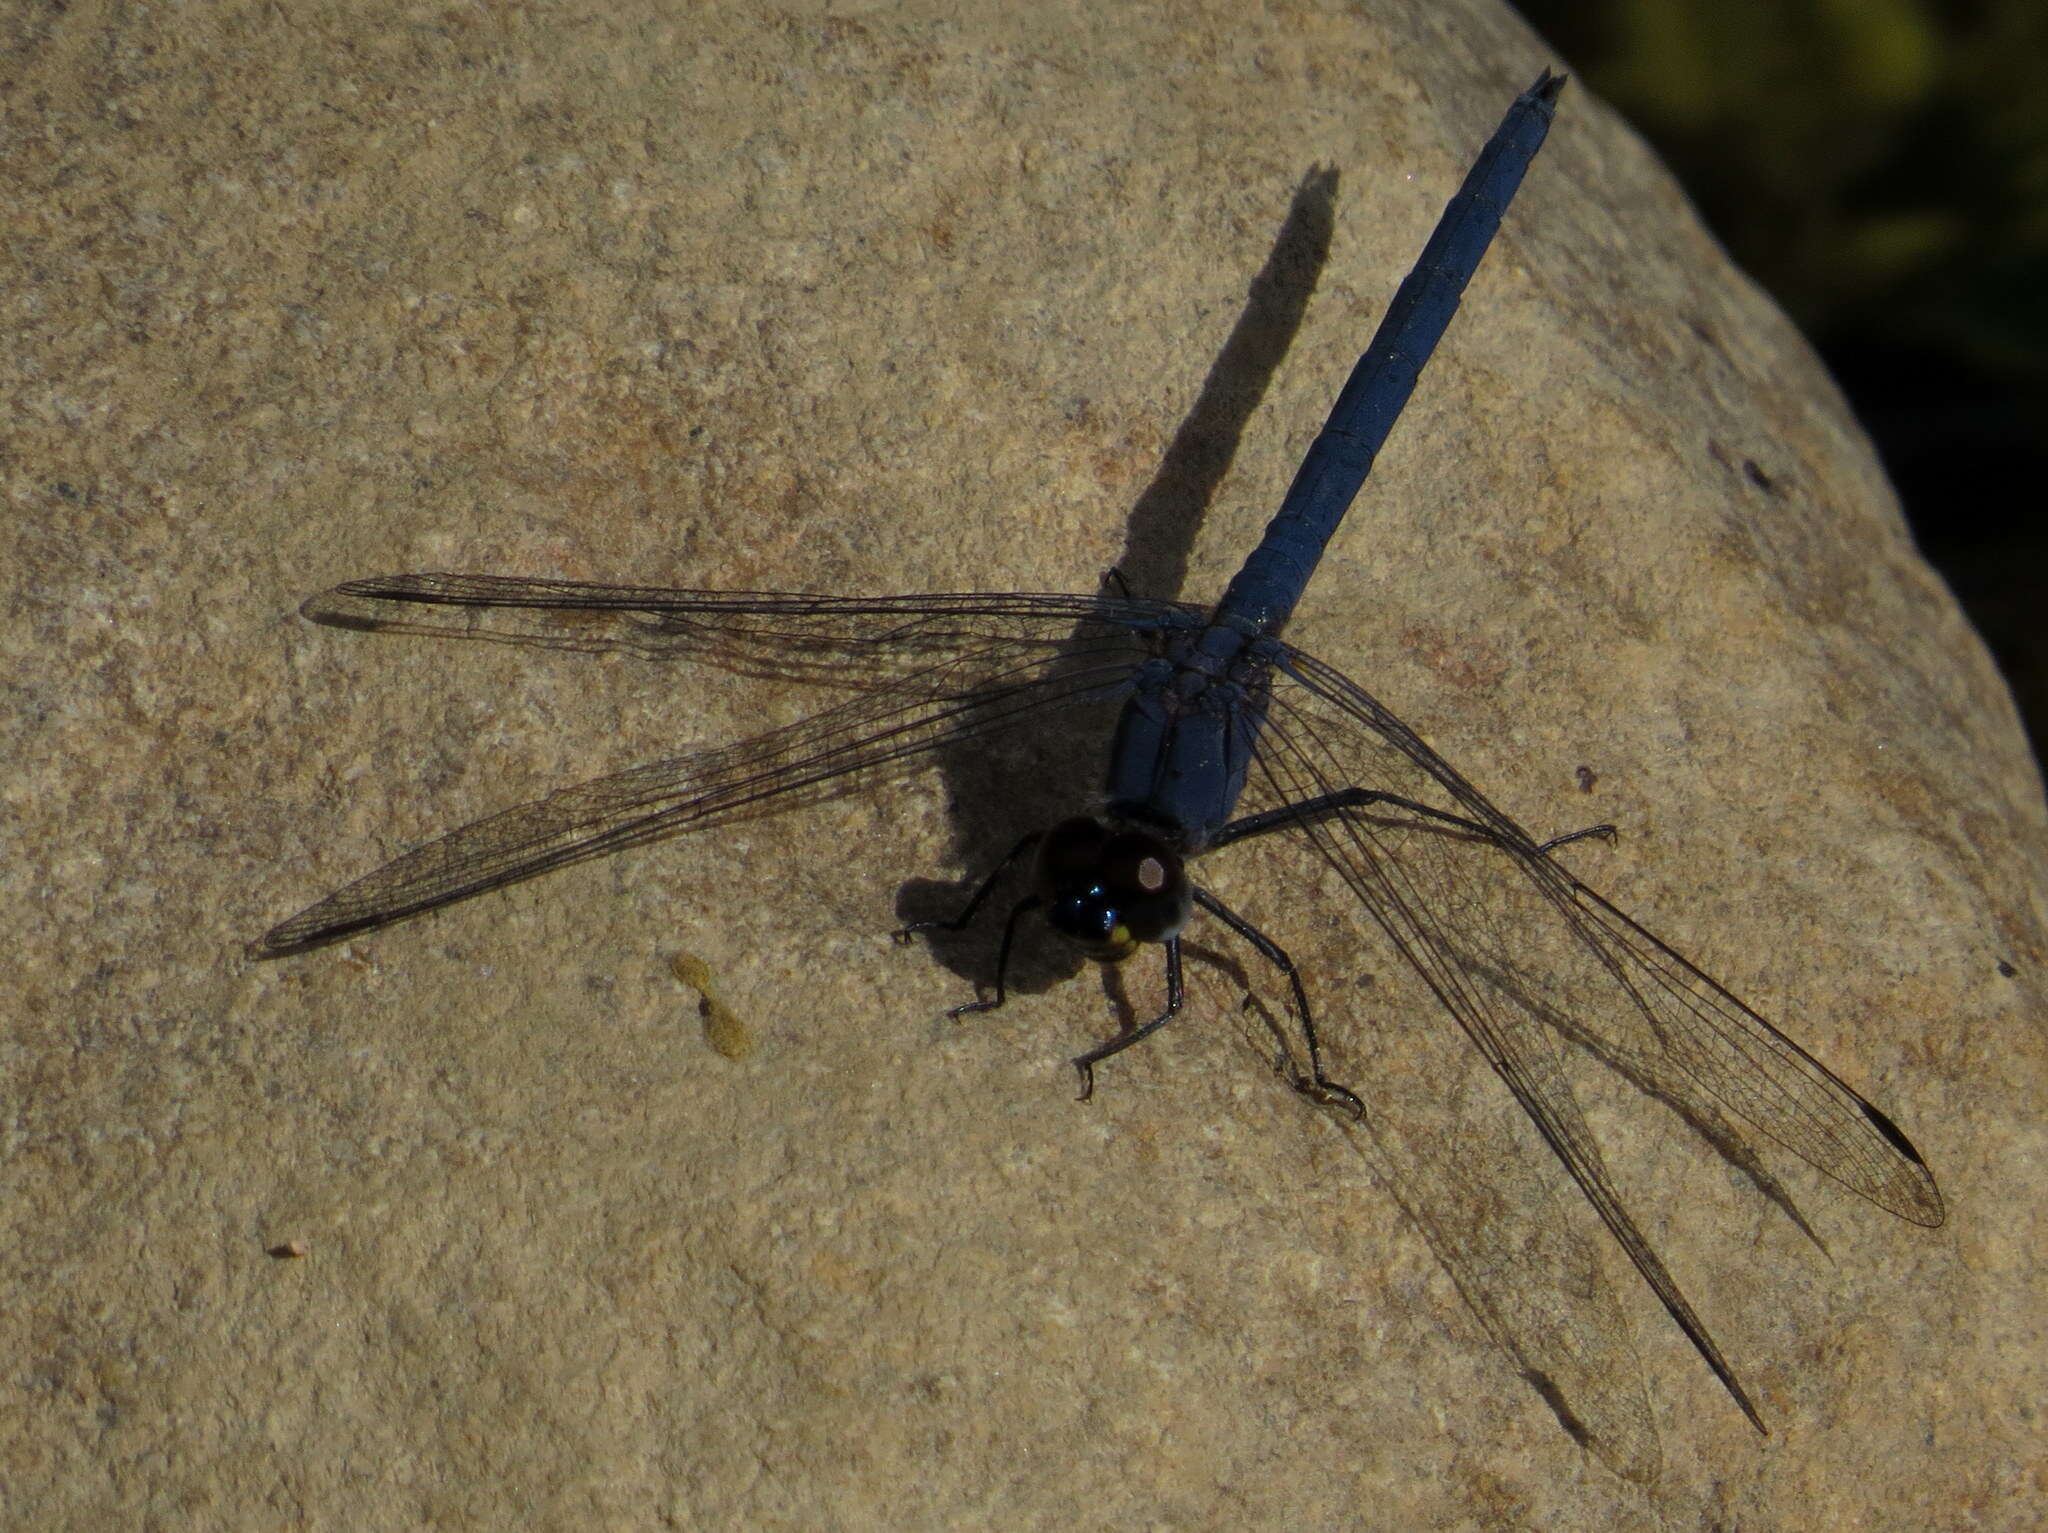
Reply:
x=1000 y=791
x=1487 y=1211
x=1448 y=1149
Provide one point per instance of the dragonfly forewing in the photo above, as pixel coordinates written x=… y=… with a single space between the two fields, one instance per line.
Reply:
x=924 y=676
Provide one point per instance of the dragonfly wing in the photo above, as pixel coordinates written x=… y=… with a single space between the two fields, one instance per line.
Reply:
x=1524 y=956
x=832 y=640
x=1698 y=1033
x=1452 y=906
x=966 y=684
x=1658 y=1011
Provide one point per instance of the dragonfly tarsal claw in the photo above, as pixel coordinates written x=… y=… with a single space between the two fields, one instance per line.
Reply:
x=1605 y=833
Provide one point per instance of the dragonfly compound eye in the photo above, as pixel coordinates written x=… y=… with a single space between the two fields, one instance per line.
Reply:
x=1090 y=919
x=1110 y=890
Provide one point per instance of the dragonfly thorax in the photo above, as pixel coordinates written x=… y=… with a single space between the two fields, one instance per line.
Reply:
x=1106 y=890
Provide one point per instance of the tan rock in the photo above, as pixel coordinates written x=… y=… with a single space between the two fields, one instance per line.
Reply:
x=912 y=299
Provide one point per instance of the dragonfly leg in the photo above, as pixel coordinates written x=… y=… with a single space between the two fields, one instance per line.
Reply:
x=1349 y=799
x=1314 y=1085
x=1017 y=911
x=1606 y=833
x=972 y=908
x=1175 y=996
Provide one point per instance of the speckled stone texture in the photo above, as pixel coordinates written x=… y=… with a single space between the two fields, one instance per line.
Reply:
x=474 y=1223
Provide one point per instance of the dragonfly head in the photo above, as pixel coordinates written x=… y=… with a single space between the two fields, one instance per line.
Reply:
x=1108 y=890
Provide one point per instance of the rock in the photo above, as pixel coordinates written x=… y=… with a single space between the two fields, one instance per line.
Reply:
x=922 y=301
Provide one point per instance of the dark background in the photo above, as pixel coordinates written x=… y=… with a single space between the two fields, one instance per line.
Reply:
x=1881 y=166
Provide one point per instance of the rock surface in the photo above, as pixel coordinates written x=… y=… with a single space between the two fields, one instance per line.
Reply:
x=473 y=1221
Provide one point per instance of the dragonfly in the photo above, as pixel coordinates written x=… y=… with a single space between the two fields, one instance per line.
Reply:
x=1224 y=733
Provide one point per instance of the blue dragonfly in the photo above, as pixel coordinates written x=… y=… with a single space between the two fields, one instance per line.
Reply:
x=1224 y=732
